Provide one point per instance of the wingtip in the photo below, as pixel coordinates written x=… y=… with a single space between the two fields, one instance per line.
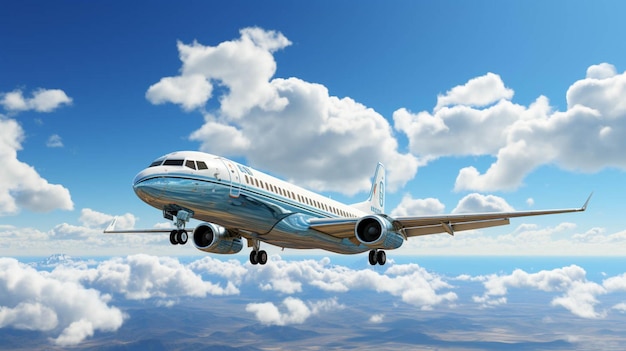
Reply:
x=111 y=226
x=586 y=202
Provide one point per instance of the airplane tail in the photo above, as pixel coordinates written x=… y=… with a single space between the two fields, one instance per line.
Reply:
x=376 y=202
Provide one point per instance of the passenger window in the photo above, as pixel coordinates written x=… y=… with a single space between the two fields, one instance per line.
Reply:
x=191 y=164
x=202 y=165
x=173 y=162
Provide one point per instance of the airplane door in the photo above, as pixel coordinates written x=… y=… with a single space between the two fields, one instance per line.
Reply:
x=235 y=178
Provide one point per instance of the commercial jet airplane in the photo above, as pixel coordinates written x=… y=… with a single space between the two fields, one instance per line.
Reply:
x=237 y=203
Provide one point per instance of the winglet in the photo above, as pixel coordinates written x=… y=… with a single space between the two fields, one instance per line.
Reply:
x=586 y=202
x=111 y=226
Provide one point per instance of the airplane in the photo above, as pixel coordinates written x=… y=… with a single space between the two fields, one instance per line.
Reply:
x=235 y=202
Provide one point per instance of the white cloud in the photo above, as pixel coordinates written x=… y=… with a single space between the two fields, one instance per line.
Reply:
x=35 y=301
x=142 y=276
x=20 y=184
x=417 y=207
x=295 y=311
x=335 y=139
x=579 y=295
x=54 y=141
x=413 y=284
x=42 y=100
x=588 y=136
x=479 y=91
x=377 y=318
x=95 y=219
x=188 y=91
x=601 y=71
x=482 y=203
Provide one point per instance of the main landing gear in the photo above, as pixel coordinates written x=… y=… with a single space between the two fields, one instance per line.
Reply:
x=377 y=256
x=257 y=256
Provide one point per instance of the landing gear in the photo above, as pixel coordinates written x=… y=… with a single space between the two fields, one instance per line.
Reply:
x=377 y=257
x=257 y=256
x=180 y=216
x=178 y=237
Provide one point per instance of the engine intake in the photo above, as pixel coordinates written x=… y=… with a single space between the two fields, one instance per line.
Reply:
x=209 y=237
x=377 y=232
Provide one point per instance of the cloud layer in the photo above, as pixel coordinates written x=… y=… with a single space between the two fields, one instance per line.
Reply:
x=76 y=299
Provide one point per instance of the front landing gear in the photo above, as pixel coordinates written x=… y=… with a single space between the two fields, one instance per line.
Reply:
x=257 y=256
x=178 y=237
x=180 y=216
x=377 y=257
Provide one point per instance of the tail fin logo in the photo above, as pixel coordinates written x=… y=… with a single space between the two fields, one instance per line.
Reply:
x=381 y=194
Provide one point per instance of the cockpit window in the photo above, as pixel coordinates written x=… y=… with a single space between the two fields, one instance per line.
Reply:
x=202 y=165
x=191 y=164
x=173 y=162
x=156 y=163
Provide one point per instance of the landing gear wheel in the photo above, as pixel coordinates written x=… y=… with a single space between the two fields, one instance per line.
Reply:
x=181 y=237
x=173 y=237
x=262 y=257
x=253 y=257
x=373 y=257
x=381 y=258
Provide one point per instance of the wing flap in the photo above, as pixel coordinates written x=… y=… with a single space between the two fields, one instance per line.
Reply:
x=452 y=228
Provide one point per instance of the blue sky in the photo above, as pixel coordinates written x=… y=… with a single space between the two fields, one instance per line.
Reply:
x=472 y=106
x=438 y=91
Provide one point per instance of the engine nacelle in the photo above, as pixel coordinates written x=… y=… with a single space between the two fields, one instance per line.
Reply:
x=209 y=237
x=377 y=232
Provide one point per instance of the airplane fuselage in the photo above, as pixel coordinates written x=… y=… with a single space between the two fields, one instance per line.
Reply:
x=246 y=202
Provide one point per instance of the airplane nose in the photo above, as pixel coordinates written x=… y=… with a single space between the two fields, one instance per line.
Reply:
x=150 y=188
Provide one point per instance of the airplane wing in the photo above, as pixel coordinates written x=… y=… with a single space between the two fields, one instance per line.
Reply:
x=425 y=225
x=111 y=229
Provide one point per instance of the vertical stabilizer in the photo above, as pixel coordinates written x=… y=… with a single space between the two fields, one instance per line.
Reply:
x=376 y=201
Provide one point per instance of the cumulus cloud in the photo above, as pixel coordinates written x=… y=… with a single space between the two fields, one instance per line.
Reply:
x=479 y=91
x=579 y=296
x=482 y=203
x=335 y=142
x=33 y=300
x=417 y=207
x=95 y=219
x=20 y=184
x=479 y=118
x=54 y=141
x=295 y=311
x=412 y=283
x=141 y=276
x=377 y=318
x=42 y=100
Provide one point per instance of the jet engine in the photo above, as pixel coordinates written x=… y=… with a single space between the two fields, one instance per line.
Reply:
x=209 y=237
x=377 y=232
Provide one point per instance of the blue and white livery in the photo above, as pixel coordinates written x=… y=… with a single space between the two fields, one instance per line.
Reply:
x=239 y=204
